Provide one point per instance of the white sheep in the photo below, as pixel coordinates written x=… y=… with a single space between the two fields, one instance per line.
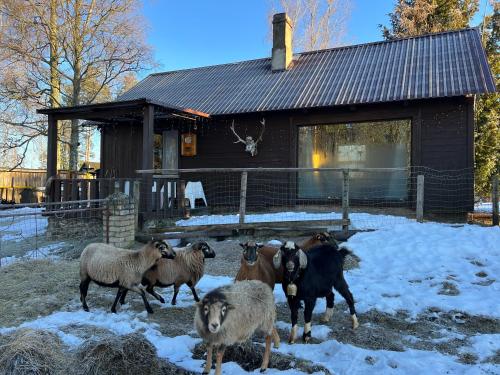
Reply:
x=232 y=314
x=187 y=268
x=110 y=266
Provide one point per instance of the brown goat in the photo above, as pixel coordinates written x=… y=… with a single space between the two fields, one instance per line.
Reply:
x=257 y=260
x=254 y=266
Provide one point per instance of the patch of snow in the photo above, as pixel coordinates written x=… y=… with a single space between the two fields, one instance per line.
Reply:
x=18 y=228
x=483 y=346
x=274 y=243
x=44 y=252
x=403 y=267
x=358 y=220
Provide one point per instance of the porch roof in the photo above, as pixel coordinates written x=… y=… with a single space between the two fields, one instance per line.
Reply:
x=117 y=109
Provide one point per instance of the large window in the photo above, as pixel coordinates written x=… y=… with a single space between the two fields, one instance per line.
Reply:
x=376 y=144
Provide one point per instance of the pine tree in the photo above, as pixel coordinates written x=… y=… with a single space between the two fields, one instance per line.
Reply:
x=487 y=131
x=416 y=17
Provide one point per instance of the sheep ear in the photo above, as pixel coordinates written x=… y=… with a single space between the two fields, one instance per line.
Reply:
x=277 y=259
x=302 y=259
x=243 y=245
x=230 y=307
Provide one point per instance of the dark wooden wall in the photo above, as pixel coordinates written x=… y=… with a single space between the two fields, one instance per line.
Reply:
x=442 y=139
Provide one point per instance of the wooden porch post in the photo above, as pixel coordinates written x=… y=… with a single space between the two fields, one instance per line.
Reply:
x=51 y=147
x=147 y=156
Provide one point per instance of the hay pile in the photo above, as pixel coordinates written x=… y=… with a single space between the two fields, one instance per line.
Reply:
x=129 y=355
x=33 y=352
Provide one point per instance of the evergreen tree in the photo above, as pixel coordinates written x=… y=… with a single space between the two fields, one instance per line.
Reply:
x=487 y=132
x=416 y=17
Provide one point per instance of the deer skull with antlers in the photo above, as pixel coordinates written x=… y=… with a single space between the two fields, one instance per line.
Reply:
x=250 y=144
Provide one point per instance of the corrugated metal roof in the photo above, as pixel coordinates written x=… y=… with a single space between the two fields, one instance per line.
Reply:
x=430 y=66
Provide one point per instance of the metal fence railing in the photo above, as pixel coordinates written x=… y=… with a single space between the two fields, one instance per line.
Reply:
x=45 y=230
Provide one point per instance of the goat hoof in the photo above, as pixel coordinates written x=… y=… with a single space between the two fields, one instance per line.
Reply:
x=113 y=311
x=263 y=369
x=86 y=308
x=355 y=323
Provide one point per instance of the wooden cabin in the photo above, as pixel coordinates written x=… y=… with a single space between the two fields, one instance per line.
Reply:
x=391 y=104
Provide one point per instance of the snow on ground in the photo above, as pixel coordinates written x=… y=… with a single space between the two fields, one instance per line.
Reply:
x=403 y=267
x=358 y=220
x=44 y=252
x=483 y=207
x=18 y=228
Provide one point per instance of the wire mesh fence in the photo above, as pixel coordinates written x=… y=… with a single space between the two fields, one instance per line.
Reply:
x=370 y=198
x=49 y=230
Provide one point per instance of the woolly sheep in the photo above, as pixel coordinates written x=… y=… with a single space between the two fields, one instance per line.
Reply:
x=187 y=268
x=110 y=266
x=232 y=314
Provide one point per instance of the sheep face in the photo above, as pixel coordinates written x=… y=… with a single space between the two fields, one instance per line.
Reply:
x=166 y=250
x=250 y=252
x=213 y=310
x=208 y=252
x=292 y=258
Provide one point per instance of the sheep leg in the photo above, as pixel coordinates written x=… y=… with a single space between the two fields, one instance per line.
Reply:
x=208 y=363
x=141 y=291
x=193 y=290
x=118 y=295
x=122 y=297
x=150 y=290
x=84 y=287
x=329 y=308
x=176 y=291
x=276 y=338
x=308 y=309
x=265 y=359
x=218 y=359
x=342 y=287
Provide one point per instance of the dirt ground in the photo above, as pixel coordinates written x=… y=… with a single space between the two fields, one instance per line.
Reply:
x=38 y=288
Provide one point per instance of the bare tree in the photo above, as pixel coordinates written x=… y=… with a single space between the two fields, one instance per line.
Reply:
x=317 y=24
x=70 y=53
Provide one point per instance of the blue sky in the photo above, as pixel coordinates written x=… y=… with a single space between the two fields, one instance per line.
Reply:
x=191 y=33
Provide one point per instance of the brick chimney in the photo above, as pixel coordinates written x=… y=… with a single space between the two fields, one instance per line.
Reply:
x=282 y=42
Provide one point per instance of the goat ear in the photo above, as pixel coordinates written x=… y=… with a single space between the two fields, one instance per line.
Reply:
x=302 y=259
x=277 y=259
x=318 y=236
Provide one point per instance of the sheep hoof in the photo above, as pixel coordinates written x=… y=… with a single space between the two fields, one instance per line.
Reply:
x=113 y=311
x=174 y=302
x=263 y=369
x=161 y=300
x=86 y=308
x=150 y=311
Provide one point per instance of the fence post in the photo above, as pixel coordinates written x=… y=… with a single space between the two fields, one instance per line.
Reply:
x=243 y=196
x=136 y=193
x=345 y=200
x=117 y=187
x=420 y=198
x=181 y=196
x=494 y=200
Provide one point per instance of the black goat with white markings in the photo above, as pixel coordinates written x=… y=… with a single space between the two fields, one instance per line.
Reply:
x=311 y=275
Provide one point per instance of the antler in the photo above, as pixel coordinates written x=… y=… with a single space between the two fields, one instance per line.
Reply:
x=236 y=134
x=263 y=123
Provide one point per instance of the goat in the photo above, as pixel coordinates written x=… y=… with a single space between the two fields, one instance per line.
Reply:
x=254 y=265
x=310 y=275
x=187 y=268
x=110 y=266
x=232 y=314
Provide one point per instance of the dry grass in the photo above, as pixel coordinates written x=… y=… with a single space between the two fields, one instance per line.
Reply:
x=34 y=288
x=129 y=355
x=33 y=352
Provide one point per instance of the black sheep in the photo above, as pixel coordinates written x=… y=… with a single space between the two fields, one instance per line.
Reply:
x=311 y=275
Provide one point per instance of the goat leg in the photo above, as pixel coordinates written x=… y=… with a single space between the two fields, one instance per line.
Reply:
x=309 y=307
x=342 y=287
x=329 y=308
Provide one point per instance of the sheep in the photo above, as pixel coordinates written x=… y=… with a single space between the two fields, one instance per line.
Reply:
x=309 y=275
x=254 y=266
x=109 y=266
x=186 y=268
x=232 y=314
